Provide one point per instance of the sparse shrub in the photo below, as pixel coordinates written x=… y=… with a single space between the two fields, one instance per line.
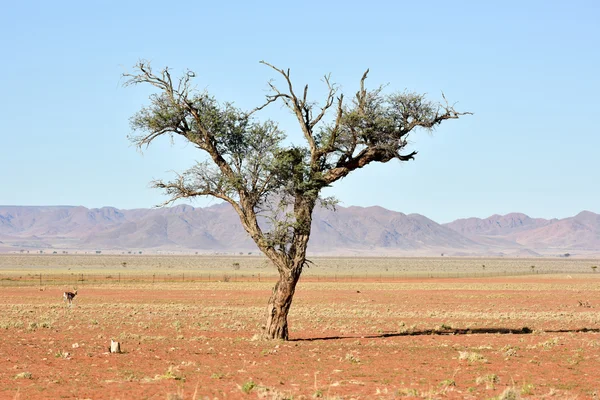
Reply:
x=45 y=324
x=448 y=382
x=594 y=267
x=527 y=389
x=129 y=336
x=248 y=386
x=405 y=392
x=402 y=327
x=510 y=393
x=129 y=376
x=548 y=344
x=489 y=380
x=172 y=373
x=585 y=304
x=62 y=354
x=352 y=358
x=509 y=351
x=471 y=357
x=236 y=266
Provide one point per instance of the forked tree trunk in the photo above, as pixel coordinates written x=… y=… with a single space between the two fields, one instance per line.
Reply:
x=289 y=269
x=279 y=304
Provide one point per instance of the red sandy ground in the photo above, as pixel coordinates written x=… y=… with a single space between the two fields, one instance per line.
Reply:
x=350 y=341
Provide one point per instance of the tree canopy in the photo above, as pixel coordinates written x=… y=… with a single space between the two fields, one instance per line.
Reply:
x=250 y=166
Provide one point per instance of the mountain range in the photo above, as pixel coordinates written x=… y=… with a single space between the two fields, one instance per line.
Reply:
x=346 y=231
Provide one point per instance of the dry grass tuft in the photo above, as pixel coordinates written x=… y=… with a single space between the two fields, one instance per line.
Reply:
x=471 y=357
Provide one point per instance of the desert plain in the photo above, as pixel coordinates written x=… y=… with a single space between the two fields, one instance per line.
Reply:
x=360 y=328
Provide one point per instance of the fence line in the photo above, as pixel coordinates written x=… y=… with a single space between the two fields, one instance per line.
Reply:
x=81 y=279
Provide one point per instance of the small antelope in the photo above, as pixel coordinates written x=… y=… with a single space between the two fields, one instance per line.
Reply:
x=69 y=297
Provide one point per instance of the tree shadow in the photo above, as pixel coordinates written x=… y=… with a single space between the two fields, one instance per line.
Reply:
x=449 y=332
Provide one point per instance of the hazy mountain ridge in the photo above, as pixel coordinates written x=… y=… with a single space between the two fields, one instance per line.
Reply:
x=581 y=232
x=349 y=230
x=497 y=225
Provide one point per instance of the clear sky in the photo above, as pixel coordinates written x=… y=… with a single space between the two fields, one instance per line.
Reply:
x=527 y=70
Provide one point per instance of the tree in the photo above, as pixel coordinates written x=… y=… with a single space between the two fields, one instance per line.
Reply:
x=272 y=186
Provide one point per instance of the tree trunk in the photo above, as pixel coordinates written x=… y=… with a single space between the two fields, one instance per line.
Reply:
x=279 y=304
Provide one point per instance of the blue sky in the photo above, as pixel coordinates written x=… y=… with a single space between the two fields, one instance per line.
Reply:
x=528 y=71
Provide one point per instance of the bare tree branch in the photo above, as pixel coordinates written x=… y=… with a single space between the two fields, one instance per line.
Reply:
x=294 y=104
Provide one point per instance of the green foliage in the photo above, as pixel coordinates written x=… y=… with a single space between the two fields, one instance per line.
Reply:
x=250 y=165
x=171 y=373
x=248 y=386
x=448 y=382
x=527 y=389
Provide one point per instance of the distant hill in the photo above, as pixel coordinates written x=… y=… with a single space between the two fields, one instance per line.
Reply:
x=347 y=231
x=497 y=225
x=580 y=233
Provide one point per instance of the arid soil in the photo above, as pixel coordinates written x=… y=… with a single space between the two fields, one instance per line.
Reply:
x=538 y=337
